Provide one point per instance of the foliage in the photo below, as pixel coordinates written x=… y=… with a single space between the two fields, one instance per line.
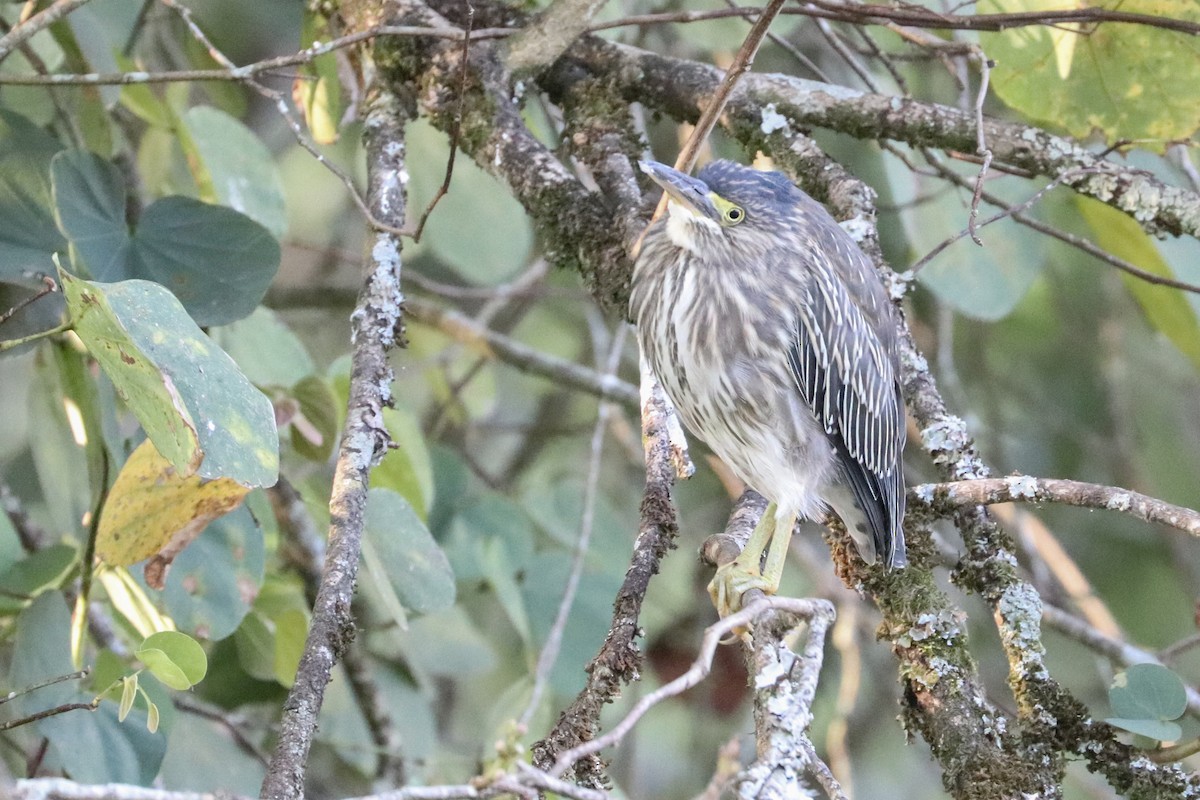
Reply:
x=178 y=401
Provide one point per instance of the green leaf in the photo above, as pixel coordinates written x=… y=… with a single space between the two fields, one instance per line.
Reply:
x=1148 y=691
x=60 y=461
x=129 y=685
x=417 y=568
x=271 y=637
x=314 y=426
x=1167 y=309
x=266 y=349
x=36 y=573
x=406 y=469
x=92 y=747
x=200 y=412
x=210 y=584
x=1128 y=81
x=320 y=97
x=981 y=282
x=151 y=716
x=174 y=658
x=1158 y=729
x=241 y=169
x=478 y=228
x=217 y=261
x=255 y=642
x=291 y=631
x=28 y=234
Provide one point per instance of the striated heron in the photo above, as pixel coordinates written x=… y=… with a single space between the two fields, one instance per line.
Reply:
x=776 y=341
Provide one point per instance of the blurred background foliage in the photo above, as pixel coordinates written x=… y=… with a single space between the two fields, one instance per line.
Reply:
x=1062 y=366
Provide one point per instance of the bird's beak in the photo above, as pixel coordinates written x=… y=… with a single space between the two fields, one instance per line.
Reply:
x=691 y=193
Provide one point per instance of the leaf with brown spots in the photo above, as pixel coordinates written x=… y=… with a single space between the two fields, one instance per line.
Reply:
x=154 y=510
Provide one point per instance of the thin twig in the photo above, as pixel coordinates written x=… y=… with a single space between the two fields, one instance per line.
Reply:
x=49 y=286
x=70 y=676
x=713 y=636
x=519 y=355
x=1008 y=211
x=1116 y=650
x=716 y=104
x=38 y=22
x=455 y=127
x=549 y=655
x=49 y=712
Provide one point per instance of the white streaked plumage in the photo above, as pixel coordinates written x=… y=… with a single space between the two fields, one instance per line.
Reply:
x=775 y=340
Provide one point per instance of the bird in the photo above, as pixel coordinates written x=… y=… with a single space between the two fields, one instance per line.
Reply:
x=773 y=336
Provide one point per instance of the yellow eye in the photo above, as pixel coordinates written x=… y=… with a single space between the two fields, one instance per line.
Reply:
x=733 y=215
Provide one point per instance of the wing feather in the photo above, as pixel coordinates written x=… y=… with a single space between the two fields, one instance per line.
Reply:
x=840 y=361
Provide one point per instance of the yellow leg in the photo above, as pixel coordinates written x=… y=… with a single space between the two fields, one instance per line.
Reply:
x=745 y=572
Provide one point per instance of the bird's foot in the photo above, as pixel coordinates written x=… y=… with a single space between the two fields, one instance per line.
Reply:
x=733 y=580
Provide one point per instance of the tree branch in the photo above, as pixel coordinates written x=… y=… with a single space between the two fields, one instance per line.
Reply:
x=377 y=327
x=952 y=497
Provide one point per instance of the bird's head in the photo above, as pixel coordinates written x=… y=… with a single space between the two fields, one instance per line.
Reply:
x=725 y=200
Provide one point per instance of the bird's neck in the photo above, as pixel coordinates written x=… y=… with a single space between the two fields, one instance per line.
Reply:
x=686 y=230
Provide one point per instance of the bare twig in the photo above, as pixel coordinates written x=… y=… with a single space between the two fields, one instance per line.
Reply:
x=38 y=22
x=550 y=650
x=49 y=712
x=713 y=635
x=521 y=356
x=1023 y=488
x=70 y=676
x=716 y=104
x=455 y=127
x=49 y=286
x=618 y=661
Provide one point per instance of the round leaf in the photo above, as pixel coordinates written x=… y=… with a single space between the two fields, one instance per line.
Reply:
x=1150 y=728
x=174 y=658
x=216 y=260
x=208 y=588
x=1148 y=692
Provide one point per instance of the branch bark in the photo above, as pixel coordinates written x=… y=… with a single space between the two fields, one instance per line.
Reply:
x=377 y=327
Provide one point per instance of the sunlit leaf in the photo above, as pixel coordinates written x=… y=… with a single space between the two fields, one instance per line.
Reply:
x=200 y=411
x=128 y=695
x=154 y=510
x=1166 y=308
x=1128 y=81
x=174 y=658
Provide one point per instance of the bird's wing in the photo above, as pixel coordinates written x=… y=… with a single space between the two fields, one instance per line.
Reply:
x=841 y=363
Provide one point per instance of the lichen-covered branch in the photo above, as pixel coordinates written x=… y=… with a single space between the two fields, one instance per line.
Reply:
x=680 y=88
x=377 y=327
x=1027 y=489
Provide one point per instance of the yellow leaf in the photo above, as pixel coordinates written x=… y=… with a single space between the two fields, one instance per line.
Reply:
x=152 y=510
